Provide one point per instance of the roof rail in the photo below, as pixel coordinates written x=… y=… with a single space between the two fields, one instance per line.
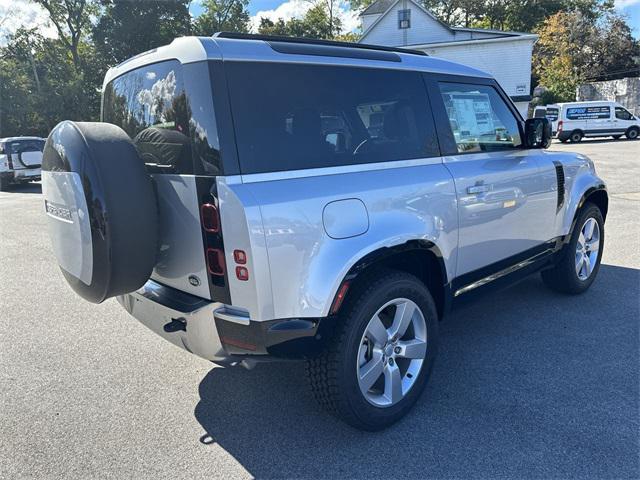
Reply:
x=314 y=41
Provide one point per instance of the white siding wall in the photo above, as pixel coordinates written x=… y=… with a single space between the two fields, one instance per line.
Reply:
x=424 y=29
x=367 y=21
x=508 y=61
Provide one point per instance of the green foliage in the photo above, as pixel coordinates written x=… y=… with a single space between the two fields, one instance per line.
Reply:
x=127 y=28
x=223 y=15
x=514 y=15
x=574 y=48
x=320 y=21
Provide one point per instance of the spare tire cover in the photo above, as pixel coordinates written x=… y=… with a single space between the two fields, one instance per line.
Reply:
x=101 y=209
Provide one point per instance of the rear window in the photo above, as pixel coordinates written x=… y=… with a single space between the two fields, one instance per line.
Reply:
x=19 y=146
x=290 y=117
x=150 y=104
x=552 y=114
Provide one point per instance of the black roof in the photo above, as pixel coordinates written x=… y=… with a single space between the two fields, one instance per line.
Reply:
x=379 y=6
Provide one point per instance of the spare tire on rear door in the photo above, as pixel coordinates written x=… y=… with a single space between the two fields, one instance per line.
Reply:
x=101 y=208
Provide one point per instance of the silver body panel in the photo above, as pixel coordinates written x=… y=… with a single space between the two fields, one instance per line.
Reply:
x=301 y=262
x=181 y=249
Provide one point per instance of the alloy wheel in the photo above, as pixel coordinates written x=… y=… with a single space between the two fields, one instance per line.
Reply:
x=587 y=248
x=392 y=352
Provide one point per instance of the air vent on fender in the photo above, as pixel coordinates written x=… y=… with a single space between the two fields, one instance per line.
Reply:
x=560 y=180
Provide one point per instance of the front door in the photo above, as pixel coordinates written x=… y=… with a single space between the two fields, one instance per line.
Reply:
x=504 y=207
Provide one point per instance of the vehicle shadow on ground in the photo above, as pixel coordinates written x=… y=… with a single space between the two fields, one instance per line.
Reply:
x=25 y=188
x=528 y=383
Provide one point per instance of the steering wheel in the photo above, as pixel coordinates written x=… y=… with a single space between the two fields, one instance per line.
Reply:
x=361 y=145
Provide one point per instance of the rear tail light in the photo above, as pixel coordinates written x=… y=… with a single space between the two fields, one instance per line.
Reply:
x=240 y=257
x=215 y=261
x=210 y=218
x=559 y=126
x=242 y=273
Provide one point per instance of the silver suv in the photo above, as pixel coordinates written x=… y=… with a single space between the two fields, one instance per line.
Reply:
x=20 y=159
x=256 y=198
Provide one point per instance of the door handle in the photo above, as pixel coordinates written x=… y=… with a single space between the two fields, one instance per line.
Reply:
x=478 y=189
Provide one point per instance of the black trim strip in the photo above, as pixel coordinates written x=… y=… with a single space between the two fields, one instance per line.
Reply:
x=314 y=41
x=483 y=276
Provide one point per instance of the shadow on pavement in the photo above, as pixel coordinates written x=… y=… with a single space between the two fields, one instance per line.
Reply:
x=24 y=188
x=528 y=383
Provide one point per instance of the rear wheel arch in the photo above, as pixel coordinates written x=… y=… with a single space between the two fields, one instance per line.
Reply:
x=419 y=258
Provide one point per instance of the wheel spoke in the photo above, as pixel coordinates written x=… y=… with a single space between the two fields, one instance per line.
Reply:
x=587 y=265
x=402 y=319
x=588 y=229
x=392 y=383
x=579 y=264
x=581 y=240
x=371 y=371
x=413 y=348
x=593 y=245
x=376 y=332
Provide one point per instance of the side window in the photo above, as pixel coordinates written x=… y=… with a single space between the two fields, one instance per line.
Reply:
x=310 y=116
x=404 y=19
x=480 y=120
x=151 y=105
x=622 y=114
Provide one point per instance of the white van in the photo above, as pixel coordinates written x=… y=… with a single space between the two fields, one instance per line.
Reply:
x=549 y=112
x=595 y=119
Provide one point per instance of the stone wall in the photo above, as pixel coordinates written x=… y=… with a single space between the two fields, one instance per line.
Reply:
x=625 y=91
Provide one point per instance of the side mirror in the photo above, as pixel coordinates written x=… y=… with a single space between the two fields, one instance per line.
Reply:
x=537 y=133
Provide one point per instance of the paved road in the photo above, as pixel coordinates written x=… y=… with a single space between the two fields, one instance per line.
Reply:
x=528 y=384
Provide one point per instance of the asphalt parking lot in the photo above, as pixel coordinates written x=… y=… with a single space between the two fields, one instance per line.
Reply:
x=528 y=383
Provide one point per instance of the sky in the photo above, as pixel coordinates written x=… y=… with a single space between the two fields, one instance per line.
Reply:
x=15 y=13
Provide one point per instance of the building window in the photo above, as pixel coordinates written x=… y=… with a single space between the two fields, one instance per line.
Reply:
x=404 y=18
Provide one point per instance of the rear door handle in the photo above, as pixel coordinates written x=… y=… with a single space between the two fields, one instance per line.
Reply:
x=478 y=189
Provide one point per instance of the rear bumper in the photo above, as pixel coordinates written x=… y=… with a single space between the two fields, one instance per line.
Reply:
x=212 y=331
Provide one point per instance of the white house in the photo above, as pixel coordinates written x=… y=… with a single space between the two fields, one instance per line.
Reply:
x=405 y=23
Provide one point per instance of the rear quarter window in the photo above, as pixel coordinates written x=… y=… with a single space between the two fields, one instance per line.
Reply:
x=295 y=116
x=152 y=106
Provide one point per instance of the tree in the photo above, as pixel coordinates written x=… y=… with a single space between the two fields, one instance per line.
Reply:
x=574 y=48
x=223 y=15
x=127 y=28
x=71 y=19
x=320 y=21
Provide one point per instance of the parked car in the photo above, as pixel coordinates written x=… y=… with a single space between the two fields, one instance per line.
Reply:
x=595 y=119
x=255 y=198
x=20 y=159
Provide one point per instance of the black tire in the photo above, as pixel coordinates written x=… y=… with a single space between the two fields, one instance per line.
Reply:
x=616 y=137
x=632 y=133
x=576 y=136
x=102 y=209
x=333 y=375
x=563 y=276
